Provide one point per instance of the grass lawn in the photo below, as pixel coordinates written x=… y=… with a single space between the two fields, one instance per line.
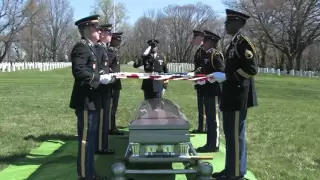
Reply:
x=283 y=131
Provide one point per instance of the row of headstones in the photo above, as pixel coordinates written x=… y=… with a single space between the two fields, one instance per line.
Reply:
x=180 y=67
x=291 y=73
x=42 y=66
x=185 y=67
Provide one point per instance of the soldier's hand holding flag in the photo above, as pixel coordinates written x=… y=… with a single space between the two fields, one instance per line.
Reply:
x=219 y=76
x=105 y=79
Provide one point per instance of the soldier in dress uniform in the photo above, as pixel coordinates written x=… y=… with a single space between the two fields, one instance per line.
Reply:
x=152 y=62
x=116 y=86
x=212 y=62
x=197 y=41
x=238 y=94
x=102 y=145
x=85 y=98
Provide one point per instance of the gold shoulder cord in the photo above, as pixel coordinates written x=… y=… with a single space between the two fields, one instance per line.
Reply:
x=212 y=54
x=250 y=43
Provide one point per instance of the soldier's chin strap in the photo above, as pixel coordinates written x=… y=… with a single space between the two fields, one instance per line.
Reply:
x=147 y=51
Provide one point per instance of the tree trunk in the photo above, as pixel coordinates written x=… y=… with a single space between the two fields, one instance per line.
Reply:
x=5 y=51
x=263 y=59
x=263 y=50
x=31 y=43
x=299 y=61
x=290 y=61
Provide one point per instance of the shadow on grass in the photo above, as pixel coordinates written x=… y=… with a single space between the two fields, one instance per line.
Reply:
x=12 y=158
x=50 y=137
x=53 y=138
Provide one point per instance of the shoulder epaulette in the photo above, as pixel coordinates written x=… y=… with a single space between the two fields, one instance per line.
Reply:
x=242 y=38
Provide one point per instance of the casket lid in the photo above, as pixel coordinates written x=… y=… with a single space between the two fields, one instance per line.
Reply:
x=159 y=114
x=158 y=109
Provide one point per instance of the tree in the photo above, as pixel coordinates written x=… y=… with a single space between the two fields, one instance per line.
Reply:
x=173 y=26
x=179 y=22
x=54 y=28
x=290 y=25
x=15 y=15
x=107 y=10
x=148 y=27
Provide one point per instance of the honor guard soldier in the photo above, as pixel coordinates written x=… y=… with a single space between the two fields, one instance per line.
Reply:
x=197 y=41
x=238 y=94
x=102 y=145
x=153 y=62
x=212 y=62
x=116 y=86
x=85 y=98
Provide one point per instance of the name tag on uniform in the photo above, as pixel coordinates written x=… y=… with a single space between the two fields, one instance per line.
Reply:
x=94 y=66
x=105 y=63
x=160 y=61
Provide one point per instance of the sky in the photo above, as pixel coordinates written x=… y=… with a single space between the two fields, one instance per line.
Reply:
x=136 y=8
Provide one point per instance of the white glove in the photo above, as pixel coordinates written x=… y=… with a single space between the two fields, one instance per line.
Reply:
x=163 y=91
x=190 y=74
x=219 y=76
x=211 y=80
x=147 y=51
x=105 y=79
x=201 y=82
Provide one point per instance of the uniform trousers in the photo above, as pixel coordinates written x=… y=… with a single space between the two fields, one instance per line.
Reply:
x=115 y=95
x=200 y=102
x=87 y=130
x=211 y=104
x=103 y=123
x=151 y=95
x=155 y=96
x=234 y=125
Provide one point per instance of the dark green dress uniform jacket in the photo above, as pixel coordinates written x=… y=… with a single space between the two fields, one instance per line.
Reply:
x=114 y=66
x=103 y=60
x=85 y=69
x=238 y=91
x=198 y=57
x=212 y=62
x=153 y=64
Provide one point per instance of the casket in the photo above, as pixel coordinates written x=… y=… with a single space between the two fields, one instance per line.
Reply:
x=159 y=133
x=159 y=121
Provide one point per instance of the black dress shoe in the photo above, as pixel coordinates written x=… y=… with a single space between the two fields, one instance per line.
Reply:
x=230 y=178
x=85 y=178
x=219 y=174
x=105 y=152
x=98 y=176
x=197 y=131
x=207 y=148
x=115 y=132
